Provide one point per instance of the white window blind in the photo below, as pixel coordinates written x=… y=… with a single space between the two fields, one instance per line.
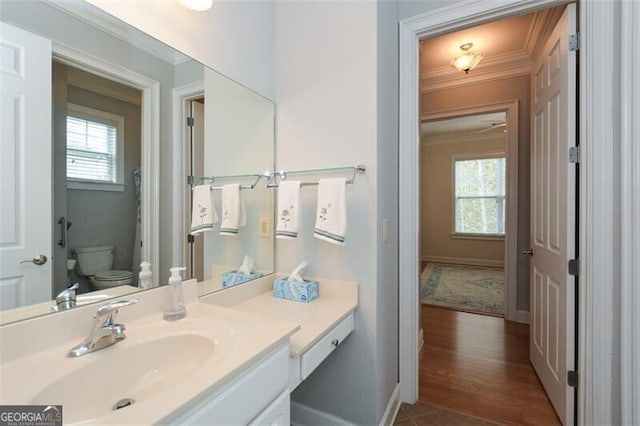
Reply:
x=91 y=150
x=480 y=196
x=95 y=149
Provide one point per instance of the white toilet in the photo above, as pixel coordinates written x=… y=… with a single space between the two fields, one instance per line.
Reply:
x=96 y=263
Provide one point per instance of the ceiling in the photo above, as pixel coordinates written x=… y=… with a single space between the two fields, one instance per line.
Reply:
x=508 y=45
x=467 y=124
x=495 y=38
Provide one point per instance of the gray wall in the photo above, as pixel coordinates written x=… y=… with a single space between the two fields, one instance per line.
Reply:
x=337 y=105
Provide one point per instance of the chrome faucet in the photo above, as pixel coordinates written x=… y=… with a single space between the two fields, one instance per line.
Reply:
x=104 y=332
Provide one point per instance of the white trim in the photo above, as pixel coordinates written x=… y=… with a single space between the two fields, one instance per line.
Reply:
x=464 y=261
x=149 y=138
x=522 y=317
x=511 y=251
x=303 y=415
x=420 y=339
x=597 y=65
x=180 y=217
x=598 y=212
x=390 y=413
x=630 y=226
x=89 y=185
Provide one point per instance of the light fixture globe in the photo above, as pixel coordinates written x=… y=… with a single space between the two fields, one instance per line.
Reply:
x=468 y=59
x=199 y=5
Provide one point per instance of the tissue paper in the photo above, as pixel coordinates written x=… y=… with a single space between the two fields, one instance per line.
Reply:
x=295 y=287
x=245 y=272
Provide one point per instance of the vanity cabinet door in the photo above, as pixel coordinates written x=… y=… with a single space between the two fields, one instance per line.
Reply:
x=244 y=398
x=276 y=414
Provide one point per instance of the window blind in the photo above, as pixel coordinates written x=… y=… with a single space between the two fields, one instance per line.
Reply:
x=91 y=150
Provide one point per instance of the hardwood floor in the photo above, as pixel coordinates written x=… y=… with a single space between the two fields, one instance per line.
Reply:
x=479 y=366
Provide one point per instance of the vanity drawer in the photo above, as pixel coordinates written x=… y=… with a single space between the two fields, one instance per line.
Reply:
x=318 y=352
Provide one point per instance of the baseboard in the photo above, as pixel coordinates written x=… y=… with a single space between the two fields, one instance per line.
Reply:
x=464 y=261
x=393 y=406
x=420 y=339
x=522 y=317
x=302 y=415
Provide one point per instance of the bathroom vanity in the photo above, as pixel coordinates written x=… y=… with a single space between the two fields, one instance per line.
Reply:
x=233 y=360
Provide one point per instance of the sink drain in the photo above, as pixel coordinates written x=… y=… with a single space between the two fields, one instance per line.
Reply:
x=125 y=402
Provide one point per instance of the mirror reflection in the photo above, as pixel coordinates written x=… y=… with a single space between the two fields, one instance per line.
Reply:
x=105 y=134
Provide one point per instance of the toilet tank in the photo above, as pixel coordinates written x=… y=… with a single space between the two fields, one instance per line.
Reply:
x=94 y=259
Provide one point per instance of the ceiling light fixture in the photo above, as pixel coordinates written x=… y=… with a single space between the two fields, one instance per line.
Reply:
x=468 y=59
x=199 y=5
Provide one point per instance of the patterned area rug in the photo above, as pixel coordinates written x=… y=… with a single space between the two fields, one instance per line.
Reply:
x=464 y=288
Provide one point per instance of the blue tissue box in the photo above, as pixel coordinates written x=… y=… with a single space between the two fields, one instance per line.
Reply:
x=232 y=278
x=294 y=290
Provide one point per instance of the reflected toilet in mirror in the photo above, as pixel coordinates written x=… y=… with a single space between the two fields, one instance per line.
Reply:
x=96 y=264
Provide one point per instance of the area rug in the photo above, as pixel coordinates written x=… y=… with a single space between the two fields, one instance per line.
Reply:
x=465 y=288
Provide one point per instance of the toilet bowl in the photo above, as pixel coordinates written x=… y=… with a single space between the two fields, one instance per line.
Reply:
x=96 y=263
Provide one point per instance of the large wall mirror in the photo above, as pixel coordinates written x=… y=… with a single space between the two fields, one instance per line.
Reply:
x=102 y=127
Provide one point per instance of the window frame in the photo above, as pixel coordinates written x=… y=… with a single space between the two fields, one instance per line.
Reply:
x=471 y=235
x=91 y=114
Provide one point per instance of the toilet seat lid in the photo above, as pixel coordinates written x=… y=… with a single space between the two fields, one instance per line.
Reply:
x=113 y=275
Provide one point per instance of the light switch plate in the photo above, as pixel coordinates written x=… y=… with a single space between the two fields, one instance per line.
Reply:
x=265 y=227
x=385 y=230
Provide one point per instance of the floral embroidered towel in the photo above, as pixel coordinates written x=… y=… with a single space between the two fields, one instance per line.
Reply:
x=231 y=210
x=288 y=209
x=203 y=214
x=331 y=216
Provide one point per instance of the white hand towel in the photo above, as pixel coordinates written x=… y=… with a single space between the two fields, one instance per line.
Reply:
x=331 y=216
x=288 y=209
x=230 y=209
x=203 y=214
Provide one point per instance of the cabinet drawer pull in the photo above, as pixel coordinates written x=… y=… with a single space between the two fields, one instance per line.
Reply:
x=335 y=343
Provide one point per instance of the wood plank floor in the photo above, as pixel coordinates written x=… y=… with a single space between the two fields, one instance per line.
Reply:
x=478 y=365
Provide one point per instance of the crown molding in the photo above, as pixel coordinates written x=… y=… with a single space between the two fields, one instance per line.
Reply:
x=542 y=25
x=496 y=68
x=105 y=22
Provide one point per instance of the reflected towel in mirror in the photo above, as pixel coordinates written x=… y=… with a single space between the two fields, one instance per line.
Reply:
x=288 y=209
x=203 y=213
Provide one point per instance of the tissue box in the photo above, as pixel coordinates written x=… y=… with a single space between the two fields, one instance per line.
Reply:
x=304 y=291
x=232 y=278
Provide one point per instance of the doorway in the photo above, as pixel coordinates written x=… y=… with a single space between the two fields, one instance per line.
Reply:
x=444 y=89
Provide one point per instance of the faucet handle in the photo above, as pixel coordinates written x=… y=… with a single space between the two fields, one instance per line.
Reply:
x=111 y=309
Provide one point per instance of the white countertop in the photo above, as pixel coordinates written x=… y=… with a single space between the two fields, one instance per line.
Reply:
x=337 y=299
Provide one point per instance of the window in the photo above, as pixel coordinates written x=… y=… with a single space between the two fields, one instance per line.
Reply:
x=95 y=155
x=479 y=196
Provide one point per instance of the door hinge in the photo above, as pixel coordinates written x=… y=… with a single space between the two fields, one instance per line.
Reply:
x=574 y=42
x=573 y=267
x=574 y=154
x=191 y=180
x=572 y=378
x=190 y=239
x=190 y=121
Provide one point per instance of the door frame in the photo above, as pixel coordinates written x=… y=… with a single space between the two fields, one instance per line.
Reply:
x=181 y=220
x=511 y=214
x=598 y=211
x=149 y=140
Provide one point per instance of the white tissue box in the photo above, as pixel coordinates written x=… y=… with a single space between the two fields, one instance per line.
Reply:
x=232 y=278
x=304 y=291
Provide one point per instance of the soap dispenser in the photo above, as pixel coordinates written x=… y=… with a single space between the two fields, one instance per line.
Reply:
x=175 y=306
x=145 y=278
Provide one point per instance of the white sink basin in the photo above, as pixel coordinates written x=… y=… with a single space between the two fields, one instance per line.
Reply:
x=163 y=366
x=134 y=372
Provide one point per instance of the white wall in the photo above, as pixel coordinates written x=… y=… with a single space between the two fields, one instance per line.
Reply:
x=233 y=37
x=336 y=94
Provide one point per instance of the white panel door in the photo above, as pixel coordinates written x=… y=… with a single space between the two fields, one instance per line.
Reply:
x=553 y=215
x=25 y=167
